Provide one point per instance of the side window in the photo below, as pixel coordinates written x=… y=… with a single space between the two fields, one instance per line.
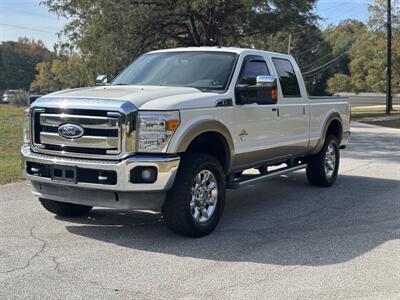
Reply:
x=252 y=68
x=287 y=78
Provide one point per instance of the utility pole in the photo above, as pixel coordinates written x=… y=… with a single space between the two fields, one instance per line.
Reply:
x=290 y=44
x=389 y=59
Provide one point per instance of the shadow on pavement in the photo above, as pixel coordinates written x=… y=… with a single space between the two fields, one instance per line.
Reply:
x=282 y=222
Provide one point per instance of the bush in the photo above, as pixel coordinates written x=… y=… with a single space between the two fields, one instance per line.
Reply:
x=339 y=83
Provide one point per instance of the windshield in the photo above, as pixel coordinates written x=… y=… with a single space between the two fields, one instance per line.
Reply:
x=202 y=70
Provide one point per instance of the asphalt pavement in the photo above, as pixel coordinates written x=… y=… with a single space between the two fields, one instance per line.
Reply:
x=280 y=239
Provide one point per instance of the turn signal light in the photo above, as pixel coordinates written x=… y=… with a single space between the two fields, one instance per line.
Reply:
x=172 y=125
x=275 y=95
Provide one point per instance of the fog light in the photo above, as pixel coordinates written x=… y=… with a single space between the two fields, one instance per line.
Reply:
x=143 y=174
x=147 y=174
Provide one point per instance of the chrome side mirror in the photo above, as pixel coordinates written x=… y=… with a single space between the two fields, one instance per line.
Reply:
x=268 y=86
x=265 y=91
x=101 y=80
x=266 y=81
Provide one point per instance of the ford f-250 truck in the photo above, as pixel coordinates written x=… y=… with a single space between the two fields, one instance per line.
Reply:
x=175 y=129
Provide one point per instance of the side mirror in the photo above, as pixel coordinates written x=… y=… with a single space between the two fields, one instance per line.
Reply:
x=101 y=80
x=266 y=81
x=264 y=92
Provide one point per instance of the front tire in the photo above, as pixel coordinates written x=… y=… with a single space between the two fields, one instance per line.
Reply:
x=195 y=204
x=323 y=167
x=64 y=209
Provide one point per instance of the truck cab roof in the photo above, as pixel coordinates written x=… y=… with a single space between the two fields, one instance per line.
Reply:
x=219 y=49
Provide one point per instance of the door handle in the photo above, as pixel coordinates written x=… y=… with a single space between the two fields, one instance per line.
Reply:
x=277 y=111
x=304 y=110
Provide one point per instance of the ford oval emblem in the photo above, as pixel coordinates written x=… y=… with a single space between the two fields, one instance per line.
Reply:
x=70 y=131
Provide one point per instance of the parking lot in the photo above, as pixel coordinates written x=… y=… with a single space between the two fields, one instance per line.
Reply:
x=278 y=239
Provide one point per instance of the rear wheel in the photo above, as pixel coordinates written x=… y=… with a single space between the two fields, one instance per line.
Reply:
x=64 y=209
x=194 y=205
x=323 y=167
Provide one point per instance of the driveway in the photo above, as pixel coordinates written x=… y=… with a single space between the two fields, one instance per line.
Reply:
x=278 y=239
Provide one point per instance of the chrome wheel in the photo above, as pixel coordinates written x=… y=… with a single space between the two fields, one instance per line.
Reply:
x=330 y=161
x=204 y=196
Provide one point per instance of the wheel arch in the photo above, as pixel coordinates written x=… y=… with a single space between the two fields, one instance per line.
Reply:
x=332 y=126
x=208 y=137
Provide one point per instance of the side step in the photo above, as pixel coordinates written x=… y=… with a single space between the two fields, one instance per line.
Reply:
x=247 y=179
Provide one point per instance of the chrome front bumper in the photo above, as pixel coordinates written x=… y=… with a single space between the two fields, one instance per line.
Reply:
x=166 y=167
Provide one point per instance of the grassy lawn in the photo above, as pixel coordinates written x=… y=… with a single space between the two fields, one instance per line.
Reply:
x=373 y=110
x=11 y=124
x=376 y=115
x=387 y=123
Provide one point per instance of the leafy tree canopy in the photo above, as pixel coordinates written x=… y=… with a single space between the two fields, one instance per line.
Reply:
x=365 y=61
x=18 y=61
x=60 y=73
x=112 y=33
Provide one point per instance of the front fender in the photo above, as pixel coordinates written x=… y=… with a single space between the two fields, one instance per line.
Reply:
x=188 y=132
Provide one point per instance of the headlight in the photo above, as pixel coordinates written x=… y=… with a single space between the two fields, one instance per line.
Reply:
x=26 y=130
x=155 y=130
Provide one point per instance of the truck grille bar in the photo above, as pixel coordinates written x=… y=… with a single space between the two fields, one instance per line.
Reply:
x=84 y=121
x=88 y=141
x=103 y=132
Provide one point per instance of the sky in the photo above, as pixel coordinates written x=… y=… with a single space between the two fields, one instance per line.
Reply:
x=28 y=18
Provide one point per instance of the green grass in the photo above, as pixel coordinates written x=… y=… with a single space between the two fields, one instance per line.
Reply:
x=376 y=115
x=377 y=109
x=11 y=124
x=386 y=123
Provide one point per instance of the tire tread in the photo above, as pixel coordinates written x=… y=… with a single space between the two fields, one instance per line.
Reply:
x=315 y=169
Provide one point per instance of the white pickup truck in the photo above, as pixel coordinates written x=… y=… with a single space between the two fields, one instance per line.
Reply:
x=175 y=129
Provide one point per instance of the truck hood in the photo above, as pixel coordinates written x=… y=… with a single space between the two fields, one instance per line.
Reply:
x=143 y=97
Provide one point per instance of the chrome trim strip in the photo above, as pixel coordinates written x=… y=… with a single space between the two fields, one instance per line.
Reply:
x=94 y=122
x=167 y=167
x=99 y=142
x=33 y=126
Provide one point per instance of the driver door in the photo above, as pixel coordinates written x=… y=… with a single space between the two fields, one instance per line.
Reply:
x=257 y=135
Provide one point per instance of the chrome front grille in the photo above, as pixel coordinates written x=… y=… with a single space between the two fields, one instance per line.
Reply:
x=106 y=134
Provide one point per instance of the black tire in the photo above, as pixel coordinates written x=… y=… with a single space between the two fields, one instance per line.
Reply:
x=176 y=210
x=316 y=173
x=64 y=209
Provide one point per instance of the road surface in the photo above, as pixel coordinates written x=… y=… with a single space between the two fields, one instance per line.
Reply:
x=281 y=239
x=370 y=100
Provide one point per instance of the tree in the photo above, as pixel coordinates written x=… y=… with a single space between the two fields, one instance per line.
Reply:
x=368 y=65
x=18 y=61
x=110 y=34
x=344 y=38
x=62 y=73
x=313 y=52
x=339 y=83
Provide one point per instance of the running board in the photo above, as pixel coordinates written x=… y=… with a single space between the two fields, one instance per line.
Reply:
x=248 y=179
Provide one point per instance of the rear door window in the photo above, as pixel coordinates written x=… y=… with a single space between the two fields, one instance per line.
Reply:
x=287 y=78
